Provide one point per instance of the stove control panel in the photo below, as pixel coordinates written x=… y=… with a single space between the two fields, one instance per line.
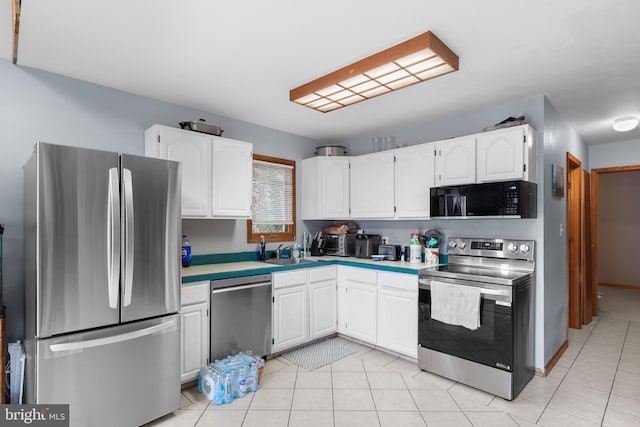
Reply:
x=492 y=248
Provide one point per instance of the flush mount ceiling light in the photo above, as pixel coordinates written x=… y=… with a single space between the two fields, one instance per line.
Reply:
x=413 y=61
x=625 y=124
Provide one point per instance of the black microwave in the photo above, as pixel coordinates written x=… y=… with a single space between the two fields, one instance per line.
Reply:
x=498 y=199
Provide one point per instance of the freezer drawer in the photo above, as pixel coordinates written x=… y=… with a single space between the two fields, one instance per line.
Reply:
x=122 y=376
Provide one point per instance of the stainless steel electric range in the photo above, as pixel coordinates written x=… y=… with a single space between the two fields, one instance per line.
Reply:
x=497 y=356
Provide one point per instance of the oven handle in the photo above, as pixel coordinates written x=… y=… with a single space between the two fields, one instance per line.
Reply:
x=483 y=291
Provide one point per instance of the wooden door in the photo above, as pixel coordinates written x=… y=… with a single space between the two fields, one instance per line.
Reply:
x=585 y=249
x=574 y=236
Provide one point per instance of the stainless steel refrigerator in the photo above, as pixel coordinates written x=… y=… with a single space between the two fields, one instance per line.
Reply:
x=102 y=284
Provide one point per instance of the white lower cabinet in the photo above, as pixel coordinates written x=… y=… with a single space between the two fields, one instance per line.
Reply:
x=398 y=313
x=290 y=317
x=323 y=302
x=359 y=311
x=379 y=308
x=194 y=321
x=376 y=307
x=304 y=306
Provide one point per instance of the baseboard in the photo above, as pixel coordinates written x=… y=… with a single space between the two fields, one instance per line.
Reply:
x=554 y=359
x=617 y=285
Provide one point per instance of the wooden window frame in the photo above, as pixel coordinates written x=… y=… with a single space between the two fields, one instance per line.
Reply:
x=289 y=236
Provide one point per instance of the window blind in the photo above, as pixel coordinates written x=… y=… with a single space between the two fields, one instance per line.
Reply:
x=272 y=193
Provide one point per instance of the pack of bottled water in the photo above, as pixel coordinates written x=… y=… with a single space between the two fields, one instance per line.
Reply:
x=234 y=376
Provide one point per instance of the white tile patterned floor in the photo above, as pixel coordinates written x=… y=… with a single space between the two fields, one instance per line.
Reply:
x=595 y=383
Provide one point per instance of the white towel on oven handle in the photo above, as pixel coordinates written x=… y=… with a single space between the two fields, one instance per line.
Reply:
x=455 y=304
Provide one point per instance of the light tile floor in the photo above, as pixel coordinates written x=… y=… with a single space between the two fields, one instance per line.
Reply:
x=595 y=383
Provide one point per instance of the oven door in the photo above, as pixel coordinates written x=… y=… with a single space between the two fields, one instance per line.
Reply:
x=491 y=344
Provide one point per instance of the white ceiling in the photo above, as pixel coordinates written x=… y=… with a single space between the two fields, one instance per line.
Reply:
x=240 y=59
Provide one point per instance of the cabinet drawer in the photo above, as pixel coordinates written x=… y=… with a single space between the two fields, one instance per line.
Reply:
x=291 y=278
x=407 y=282
x=363 y=275
x=194 y=293
x=322 y=274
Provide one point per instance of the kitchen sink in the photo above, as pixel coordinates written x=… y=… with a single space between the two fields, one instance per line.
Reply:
x=290 y=261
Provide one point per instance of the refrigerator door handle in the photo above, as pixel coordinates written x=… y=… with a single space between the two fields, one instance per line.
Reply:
x=113 y=237
x=128 y=233
x=82 y=345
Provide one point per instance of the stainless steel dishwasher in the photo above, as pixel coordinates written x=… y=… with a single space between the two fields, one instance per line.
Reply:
x=240 y=316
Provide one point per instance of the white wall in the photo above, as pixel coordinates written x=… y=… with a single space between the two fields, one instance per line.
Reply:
x=559 y=138
x=615 y=154
x=39 y=106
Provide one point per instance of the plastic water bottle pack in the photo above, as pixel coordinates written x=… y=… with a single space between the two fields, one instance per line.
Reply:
x=234 y=376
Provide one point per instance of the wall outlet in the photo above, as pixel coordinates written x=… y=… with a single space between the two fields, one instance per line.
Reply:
x=384 y=240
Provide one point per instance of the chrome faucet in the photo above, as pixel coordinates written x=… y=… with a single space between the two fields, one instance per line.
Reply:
x=281 y=249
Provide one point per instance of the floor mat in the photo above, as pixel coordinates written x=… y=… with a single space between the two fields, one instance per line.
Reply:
x=316 y=355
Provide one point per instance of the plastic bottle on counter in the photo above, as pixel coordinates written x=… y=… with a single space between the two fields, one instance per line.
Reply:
x=186 y=251
x=415 y=248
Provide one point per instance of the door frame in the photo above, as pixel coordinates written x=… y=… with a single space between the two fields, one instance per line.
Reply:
x=589 y=287
x=595 y=173
x=574 y=241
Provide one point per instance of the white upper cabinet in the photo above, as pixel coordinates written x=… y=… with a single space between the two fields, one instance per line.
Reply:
x=372 y=185
x=414 y=176
x=216 y=172
x=325 y=187
x=193 y=150
x=231 y=177
x=456 y=161
x=506 y=154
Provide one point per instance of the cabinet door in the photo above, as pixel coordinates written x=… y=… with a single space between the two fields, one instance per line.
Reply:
x=232 y=175
x=193 y=150
x=334 y=184
x=194 y=348
x=456 y=162
x=398 y=321
x=322 y=308
x=361 y=311
x=372 y=192
x=501 y=155
x=290 y=318
x=414 y=177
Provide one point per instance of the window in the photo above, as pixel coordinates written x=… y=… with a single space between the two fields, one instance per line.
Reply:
x=273 y=200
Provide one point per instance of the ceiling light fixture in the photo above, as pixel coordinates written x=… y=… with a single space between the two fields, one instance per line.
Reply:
x=413 y=61
x=624 y=124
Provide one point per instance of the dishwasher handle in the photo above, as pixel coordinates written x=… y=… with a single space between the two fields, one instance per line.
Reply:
x=239 y=288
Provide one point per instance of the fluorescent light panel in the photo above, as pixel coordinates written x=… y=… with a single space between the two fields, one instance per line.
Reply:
x=413 y=61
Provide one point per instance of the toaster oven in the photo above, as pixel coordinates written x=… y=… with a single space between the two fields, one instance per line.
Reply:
x=339 y=244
